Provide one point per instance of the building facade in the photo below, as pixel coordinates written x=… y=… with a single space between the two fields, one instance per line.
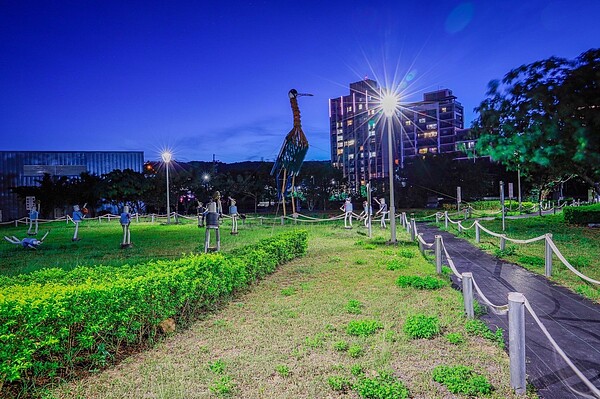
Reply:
x=26 y=168
x=359 y=145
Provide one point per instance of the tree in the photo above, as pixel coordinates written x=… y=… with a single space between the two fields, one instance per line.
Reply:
x=544 y=117
x=125 y=187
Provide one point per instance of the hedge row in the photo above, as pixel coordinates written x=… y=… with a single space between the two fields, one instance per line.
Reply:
x=495 y=205
x=582 y=214
x=52 y=321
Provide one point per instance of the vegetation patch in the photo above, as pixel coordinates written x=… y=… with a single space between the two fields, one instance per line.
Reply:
x=421 y=326
x=462 y=380
x=355 y=351
x=510 y=250
x=288 y=291
x=455 y=338
x=535 y=261
x=314 y=342
x=406 y=253
x=282 y=370
x=339 y=383
x=223 y=386
x=354 y=307
x=217 y=367
x=421 y=283
x=476 y=327
x=395 y=264
x=383 y=386
x=363 y=328
x=341 y=346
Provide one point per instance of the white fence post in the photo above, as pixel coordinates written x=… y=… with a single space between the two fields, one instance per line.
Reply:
x=403 y=218
x=460 y=228
x=446 y=219
x=438 y=254
x=516 y=341
x=421 y=247
x=477 y=233
x=437 y=217
x=467 y=287
x=548 y=257
x=502 y=242
x=282 y=222
x=413 y=229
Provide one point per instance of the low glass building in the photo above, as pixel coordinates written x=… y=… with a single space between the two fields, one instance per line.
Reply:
x=26 y=168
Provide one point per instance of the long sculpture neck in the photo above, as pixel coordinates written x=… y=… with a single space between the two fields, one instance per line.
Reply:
x=295 y=111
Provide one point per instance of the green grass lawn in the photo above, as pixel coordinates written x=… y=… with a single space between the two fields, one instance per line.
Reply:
x=580 y=245
x=100 y=243
x=294 y=334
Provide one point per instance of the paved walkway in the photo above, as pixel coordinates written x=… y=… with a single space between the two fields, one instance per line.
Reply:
x=573 y=321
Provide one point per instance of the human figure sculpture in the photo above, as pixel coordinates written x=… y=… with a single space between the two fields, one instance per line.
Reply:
x=77 y=217
x=33 y=219
x=367 y=213
x=233 y=212
x=212 y=223
x=347 y=208
x=125 y=220
x=217 y=200
x=383 y=211
x=201 y=210
x=27 y=242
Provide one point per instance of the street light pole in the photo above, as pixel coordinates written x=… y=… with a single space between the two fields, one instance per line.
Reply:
x=166 y=157
x=389 y=102
x=391 y=167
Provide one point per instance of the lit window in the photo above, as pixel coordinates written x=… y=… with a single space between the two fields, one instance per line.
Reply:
x=340 y=151
x=350 y=122
x=433 y=150
x=351 y=156
x=360 y=106
x=432 y=126
x=429 y=135
x=349 y=109
x=422 y=150
x=408 y=123
x=421 y=120
x=350 y=142
x=444 y=109
x=373 y=154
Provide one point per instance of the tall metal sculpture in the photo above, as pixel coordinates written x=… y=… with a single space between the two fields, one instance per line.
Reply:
x=292 y=153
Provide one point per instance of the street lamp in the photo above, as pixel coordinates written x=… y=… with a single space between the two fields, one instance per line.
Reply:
x=166 y=157
x=389 y=103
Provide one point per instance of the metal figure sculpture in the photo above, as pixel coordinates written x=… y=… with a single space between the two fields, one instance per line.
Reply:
x=28 y=242
x=292 y=153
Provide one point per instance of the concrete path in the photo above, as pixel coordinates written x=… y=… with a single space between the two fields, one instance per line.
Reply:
x=573 y=322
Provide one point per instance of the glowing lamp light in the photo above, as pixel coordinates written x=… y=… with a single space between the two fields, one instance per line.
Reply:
x=166 y=156
x=389 y=103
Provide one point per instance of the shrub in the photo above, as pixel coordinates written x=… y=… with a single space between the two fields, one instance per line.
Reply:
x=355 y=351
x=383 y=386
x=52 y=320
x=395 y=264
x=455 y=338
x=357 y=370
x=478 y=328
x=282 y=370
x=314 y=342
x=582 y=214
x=217 y=367
x=507 y=251
x=406 y=253
x=421 y=326
x=341 y=346
x=462 y=379
x=363 y=328
x=338 y=383
x=288 y=291
x=421 y=283
x=353 y=306
x=222 y=386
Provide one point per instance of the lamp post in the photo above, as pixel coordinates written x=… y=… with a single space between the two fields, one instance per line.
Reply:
x=166 y=157
x=389 y=102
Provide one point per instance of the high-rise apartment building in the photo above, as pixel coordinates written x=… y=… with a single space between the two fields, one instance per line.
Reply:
x=358 y=145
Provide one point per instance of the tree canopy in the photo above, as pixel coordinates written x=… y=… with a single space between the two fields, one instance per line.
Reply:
x=544 y=117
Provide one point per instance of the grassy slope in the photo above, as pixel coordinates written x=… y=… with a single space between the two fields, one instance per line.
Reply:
x=580 y=245
x=293 y=318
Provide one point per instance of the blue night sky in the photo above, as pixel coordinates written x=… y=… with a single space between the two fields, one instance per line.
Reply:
x=212 y=77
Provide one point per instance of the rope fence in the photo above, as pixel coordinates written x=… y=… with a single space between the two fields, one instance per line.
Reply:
x=514 y=309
